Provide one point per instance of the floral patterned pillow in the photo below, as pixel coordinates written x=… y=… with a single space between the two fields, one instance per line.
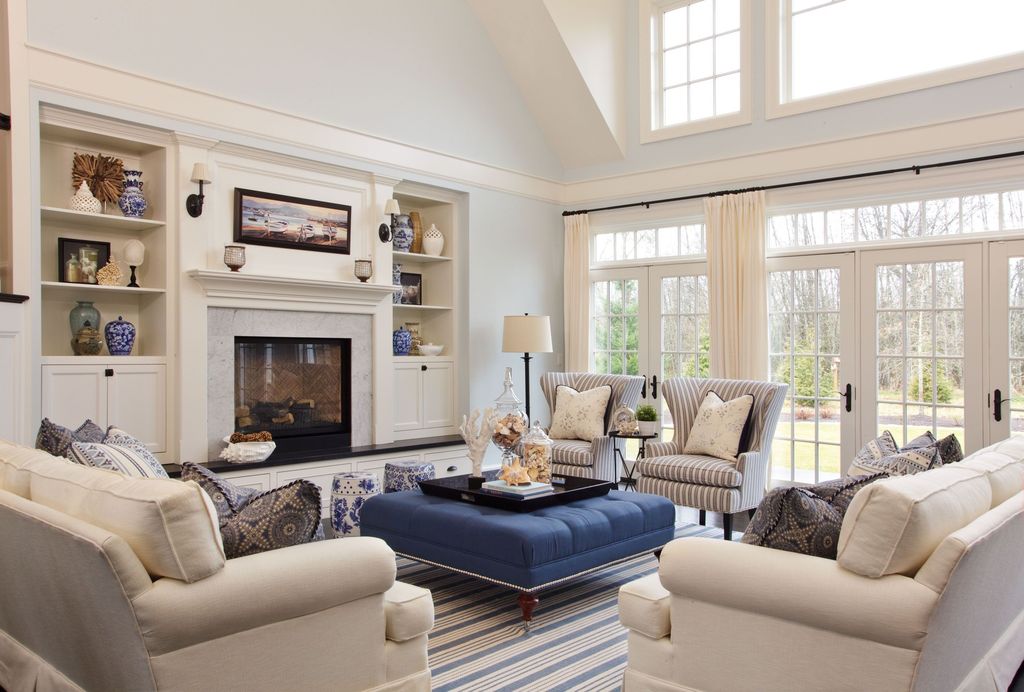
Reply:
x=718 y=426
x=579 y=415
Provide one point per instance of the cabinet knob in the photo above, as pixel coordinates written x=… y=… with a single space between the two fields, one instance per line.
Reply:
x=423 y=368
x=453 y=468
x=109 y=372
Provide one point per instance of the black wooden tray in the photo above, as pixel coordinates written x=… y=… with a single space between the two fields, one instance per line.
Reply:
x=566 y=489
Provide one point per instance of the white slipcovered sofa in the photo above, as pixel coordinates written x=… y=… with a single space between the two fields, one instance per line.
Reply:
x=927 y=593
x=116 y=583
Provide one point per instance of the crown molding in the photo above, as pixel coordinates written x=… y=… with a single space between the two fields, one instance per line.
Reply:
x=78 y=120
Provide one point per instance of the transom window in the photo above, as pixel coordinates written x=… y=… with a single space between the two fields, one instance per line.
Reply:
x=830 y=46
x=661 y=242
x=977 y=213
x=697 y=59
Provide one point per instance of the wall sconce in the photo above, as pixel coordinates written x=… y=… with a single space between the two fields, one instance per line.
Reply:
x=384 y=232
x=194 y=203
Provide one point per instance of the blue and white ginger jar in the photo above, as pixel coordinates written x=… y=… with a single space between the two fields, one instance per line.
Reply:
x=120 y=337
x=132 y=202
x=396 y=280
x=403 y=233
x=349 y=492
x=401 y=341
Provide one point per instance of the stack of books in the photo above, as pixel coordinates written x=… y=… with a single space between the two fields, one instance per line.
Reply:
x=517 y=491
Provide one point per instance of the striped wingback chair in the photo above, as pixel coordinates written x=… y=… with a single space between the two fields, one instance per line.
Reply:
x=590 y=459
x=707 y=483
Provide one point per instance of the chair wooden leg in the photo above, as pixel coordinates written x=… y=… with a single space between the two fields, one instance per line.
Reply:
x=703 y=518
x=727 y=526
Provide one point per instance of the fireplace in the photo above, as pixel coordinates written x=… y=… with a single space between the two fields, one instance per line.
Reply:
x=299 y=389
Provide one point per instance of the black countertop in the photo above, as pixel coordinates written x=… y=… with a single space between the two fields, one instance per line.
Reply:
x=276 y=459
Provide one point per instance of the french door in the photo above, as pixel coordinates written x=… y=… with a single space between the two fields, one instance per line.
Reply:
x=1005 y=394
x=922 y=350
x=812 y=342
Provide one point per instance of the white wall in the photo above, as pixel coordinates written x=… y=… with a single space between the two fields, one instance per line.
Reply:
x=421 y=73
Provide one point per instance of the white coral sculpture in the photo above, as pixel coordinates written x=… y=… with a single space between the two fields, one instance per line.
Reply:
x=476 y=431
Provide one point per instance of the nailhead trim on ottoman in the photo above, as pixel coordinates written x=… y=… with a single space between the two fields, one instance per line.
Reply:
x=349 y=490
x=406 y=475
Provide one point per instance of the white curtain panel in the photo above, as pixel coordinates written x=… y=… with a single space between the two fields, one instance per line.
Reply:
x=737 y=285
x=577 y=292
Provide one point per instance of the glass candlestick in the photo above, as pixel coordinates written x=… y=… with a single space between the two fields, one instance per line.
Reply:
x=234 y=257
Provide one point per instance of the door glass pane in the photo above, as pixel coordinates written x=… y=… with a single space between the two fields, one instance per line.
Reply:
x=919 y=349
x=685 y=342
x=803 y=326
x=614 y=327
x=1016 y=350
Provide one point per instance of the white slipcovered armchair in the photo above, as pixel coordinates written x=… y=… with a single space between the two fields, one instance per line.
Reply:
x=707 y=483
x=594 y=459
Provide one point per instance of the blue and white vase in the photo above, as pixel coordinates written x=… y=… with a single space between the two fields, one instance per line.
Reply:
x=403 y=233
x=349 y=492
x=401 y=341
x=120 y=337
x=396 y=280
x=132 y=202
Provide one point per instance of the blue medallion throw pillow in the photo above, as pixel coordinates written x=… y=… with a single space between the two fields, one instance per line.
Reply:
x=252 y=521
x=805 y=520
x=56 y=439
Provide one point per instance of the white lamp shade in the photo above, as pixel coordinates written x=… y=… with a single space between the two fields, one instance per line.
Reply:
x=201 y=173
x=391 y=207
x=134 y=252
x=527 y=334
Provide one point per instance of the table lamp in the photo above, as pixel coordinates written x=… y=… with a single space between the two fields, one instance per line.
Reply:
x=527 y=334
x=134 y=254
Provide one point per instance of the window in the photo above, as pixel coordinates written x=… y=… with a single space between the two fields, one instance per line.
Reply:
x=840 y=51
x=661 y=242
x=698 y=65
x=615 y=337
x=977 y=213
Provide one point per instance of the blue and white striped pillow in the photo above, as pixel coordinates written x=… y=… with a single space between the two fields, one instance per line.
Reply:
x=119 y=452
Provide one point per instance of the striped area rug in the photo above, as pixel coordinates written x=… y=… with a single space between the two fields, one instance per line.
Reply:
x=575 y=643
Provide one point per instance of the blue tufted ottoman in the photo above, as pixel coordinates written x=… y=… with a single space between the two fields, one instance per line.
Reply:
x=524 y=551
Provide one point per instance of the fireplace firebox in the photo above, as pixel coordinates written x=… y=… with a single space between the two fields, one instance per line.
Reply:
x=299 y=389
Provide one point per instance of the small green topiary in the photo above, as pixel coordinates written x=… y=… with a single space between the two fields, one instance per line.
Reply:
x=647 y=413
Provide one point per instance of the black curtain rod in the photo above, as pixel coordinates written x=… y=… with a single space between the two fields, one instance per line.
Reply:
x=799 y=183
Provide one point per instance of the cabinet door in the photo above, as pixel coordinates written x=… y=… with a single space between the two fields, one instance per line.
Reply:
x=72 y=393
x=408 y=397
x=438 y=396
x=137 y=403
x=451 y=462
x=256 y=481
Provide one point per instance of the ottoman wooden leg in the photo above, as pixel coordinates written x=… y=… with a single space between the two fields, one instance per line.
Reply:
x=527 y=602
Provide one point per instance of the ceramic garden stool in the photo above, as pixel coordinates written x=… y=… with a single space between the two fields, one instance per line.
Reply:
x=349 y=490
x=406 y=475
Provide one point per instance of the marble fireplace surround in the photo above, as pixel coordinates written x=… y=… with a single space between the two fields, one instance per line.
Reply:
x=225 y=323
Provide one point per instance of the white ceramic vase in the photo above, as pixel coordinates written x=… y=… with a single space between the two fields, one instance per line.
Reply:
x=83 y=200
x=433 y=241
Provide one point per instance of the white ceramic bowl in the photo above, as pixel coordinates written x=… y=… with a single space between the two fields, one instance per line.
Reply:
x=247 y=452
x=431 y=349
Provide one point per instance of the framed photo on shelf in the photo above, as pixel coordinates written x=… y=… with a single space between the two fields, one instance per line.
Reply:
x=412 y=289
x=266 y=218
x=79 y=260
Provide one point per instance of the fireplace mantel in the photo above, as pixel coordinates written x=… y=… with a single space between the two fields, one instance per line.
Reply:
x=243 y=287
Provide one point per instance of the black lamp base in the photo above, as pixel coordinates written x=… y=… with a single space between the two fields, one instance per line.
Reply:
x=133 y=283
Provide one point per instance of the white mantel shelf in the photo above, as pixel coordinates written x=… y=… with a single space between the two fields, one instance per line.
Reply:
x=243 y=286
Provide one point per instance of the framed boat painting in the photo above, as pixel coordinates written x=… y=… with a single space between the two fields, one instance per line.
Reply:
x=265 y=218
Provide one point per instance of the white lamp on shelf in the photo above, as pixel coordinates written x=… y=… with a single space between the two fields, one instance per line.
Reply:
x=527 y=334
x=134 y=255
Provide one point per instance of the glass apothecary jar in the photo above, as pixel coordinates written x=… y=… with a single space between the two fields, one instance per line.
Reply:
x=537 y=454
x=510 y=421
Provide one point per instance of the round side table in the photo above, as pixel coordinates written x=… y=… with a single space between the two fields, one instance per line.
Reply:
x=628 y=480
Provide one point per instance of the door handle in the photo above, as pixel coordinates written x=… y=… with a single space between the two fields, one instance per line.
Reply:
x=847 y=393
x=997 y=405
x=643 y=388
x=654 y=387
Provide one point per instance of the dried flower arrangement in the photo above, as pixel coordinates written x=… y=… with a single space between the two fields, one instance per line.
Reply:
x=105 y=175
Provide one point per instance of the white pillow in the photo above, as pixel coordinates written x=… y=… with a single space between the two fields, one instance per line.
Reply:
x=718 y=426
x=579 y=415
